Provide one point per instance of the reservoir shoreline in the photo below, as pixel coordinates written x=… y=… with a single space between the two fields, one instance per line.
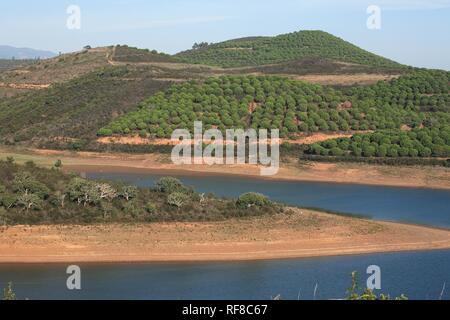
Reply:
x=301 y=234
x=292 y=170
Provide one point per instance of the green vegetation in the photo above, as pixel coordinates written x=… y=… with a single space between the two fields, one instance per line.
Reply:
x=355 y=293
x=267 y=50
x=130 y=54
x=76 y=109
x=95 y=92
x=415 y=100
x=33 y=195
x=251 y=199
x=8 y=293
x=315 y=66
x=418 y=142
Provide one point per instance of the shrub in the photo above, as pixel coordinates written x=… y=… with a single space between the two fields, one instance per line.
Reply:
x=171 y=185
x=251 y=199
x=177 y=199
x=131 y=208
x=129 y=192
x=150 y=207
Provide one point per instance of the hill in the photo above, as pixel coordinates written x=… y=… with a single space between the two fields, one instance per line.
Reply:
x=123 y=53
x=18 y=78
x=67 y=101
x=72 y=65
x=8 y=52
x=416 y=100
x=7 y=64
x=79 y=107
x=257 y=51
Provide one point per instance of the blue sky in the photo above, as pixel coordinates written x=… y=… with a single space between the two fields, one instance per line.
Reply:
x=414 y=32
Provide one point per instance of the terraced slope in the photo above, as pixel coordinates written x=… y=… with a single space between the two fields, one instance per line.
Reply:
x=295 y=107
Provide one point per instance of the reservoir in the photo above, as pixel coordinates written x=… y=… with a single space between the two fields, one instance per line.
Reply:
x=419 y=275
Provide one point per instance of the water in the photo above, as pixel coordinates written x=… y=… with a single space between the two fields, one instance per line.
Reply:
x=423 y=206
x=420 y=275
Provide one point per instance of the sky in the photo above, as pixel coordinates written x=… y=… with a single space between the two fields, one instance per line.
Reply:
x=413 y=32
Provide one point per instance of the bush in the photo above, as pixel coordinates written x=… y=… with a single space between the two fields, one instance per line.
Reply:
x=75 y=200
x=177 y=199
x=171 y=185
x=251 y=199
x=150 y=207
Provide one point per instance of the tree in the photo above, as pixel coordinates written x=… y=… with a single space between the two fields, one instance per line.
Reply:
x=252 y=199
x=7 y=199
x=382 y=151
x=83 y=191
x=8 y=292
x=170 y=185
x=106 y=192
x=337 y=152
x=200 y=45
x=29 y=201
x=369 y=151
x=129 y=192
x=58 y=164
x=25 y=183
x=177 y=199
x=105 y=132
x=60 y=198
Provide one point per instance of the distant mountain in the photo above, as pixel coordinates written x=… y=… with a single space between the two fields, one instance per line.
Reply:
x=257 y=51
x=8 y=52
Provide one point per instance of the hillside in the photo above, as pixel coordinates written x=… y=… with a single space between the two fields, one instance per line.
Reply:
x=18 y=78
x=79 y=107
x=8 y=52
x=409 y=115
x=72 y=65
x=257 y=51
x=123 y=53
x=294 y=106
x=7 y=64
x=122 y=92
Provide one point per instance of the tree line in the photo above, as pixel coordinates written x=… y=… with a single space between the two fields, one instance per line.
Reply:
x=33 y=195
x=420 y=142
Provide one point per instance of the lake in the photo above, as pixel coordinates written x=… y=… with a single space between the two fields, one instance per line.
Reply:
x=420 y=275
x=415 y=205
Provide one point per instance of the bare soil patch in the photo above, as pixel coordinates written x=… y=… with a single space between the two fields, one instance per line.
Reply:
x=303 y=233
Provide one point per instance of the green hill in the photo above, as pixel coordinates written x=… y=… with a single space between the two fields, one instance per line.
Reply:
x=123 y=53
x=256 y=51
x=419 y=99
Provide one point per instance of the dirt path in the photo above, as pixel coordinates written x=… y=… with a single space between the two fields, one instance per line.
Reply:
x=301 y=139
x=344 y=79
x=28 y=86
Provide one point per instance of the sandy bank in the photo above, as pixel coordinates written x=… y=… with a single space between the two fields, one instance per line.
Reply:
x=417 y=176
x=301 y=234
